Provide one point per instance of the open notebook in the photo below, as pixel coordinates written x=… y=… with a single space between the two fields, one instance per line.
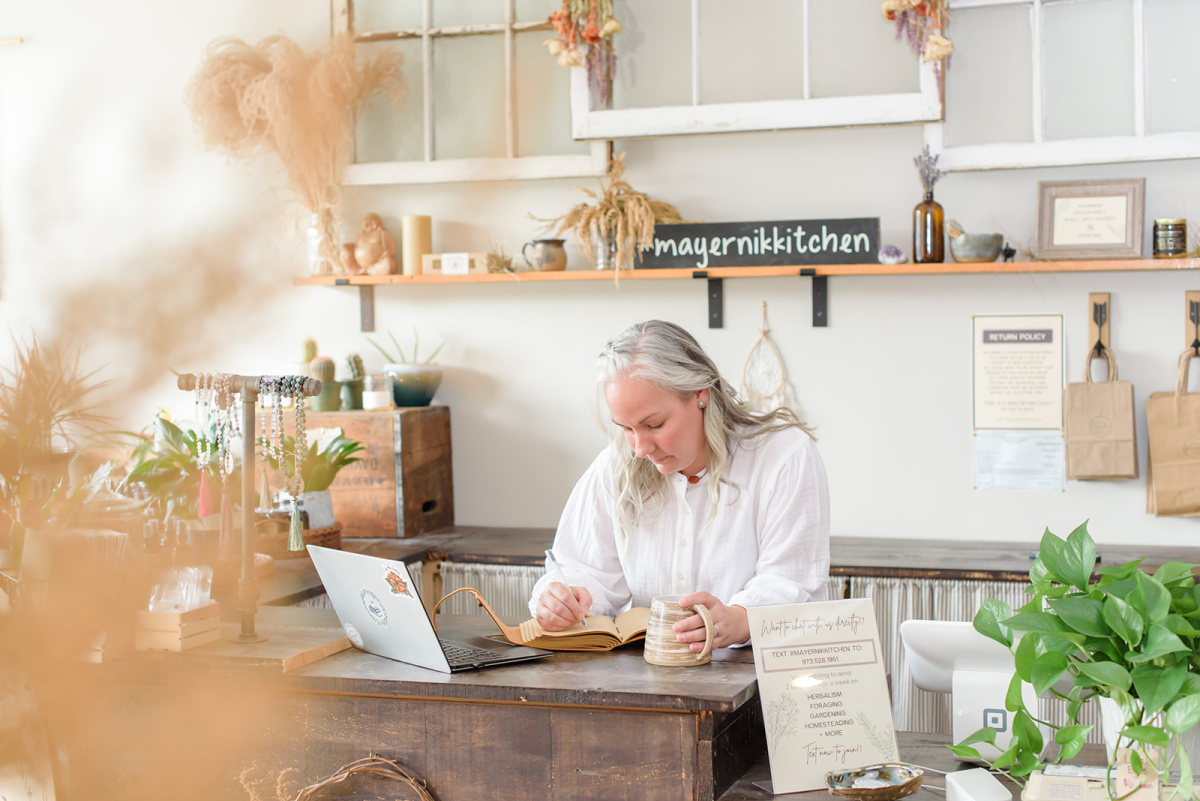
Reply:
x=602 y=632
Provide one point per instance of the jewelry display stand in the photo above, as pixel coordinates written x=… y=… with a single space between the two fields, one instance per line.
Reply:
x=248 y=387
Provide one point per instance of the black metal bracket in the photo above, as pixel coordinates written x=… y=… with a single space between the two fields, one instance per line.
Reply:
x=366 y=307
x=366 y=304
x=820 y=297
x=716 y=299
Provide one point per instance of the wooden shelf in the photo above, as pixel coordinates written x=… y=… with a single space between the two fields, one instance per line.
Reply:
x=818 y=272
x=950 y=268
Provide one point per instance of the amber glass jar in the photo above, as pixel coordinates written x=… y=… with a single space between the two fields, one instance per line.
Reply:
x=1170 y=238
x=928 y=240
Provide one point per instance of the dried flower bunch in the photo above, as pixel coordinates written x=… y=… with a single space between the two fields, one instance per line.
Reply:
x=621 y=215
x=498 y=261
x=924 y=23
x=272 y=96
x=583 y=38
x=927 y=169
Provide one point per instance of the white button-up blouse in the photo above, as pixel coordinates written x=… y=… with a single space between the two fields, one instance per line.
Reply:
x=768 y=544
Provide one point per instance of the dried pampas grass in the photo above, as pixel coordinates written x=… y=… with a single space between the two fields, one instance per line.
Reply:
x=621 y=215
x=273 y=97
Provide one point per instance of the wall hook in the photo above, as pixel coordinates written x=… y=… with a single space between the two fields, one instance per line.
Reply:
x=1194 y=316
x=1099 y=317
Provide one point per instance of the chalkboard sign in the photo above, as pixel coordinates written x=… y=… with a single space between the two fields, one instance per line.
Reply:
x=699 y=246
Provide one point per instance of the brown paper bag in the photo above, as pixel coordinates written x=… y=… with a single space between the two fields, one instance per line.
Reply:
x=1173 y=421
x=1099 y=428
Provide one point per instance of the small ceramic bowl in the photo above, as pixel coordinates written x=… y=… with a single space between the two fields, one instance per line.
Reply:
x=876 y=782
x=976 y=247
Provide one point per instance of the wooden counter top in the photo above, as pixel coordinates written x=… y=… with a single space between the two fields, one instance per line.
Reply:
x=295 y=579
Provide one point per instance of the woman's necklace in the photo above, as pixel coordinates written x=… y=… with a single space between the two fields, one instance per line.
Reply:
x=696 y=478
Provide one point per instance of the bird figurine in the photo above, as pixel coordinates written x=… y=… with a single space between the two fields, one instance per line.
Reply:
x=966 y=247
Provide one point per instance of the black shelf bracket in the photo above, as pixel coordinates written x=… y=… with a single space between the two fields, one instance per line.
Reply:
x=366 y=307
x=820 y=297
x=716 y=299
x=366 y=304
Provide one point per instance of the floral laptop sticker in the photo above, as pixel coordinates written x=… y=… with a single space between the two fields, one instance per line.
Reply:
x=397 y=579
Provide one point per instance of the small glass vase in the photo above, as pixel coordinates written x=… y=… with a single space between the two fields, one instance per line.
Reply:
x=928 y=239
x=605 y=251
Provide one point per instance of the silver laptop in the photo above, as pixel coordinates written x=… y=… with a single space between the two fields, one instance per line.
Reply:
x=378 y=605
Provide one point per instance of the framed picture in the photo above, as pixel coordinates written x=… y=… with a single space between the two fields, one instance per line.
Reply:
x=1099 y=219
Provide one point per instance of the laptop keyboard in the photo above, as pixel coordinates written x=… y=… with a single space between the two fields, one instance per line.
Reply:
x=465 y=655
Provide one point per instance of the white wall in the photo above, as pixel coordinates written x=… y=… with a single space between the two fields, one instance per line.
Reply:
x=116 y=227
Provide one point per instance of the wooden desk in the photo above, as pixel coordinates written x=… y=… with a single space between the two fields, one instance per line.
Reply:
x=570 y=726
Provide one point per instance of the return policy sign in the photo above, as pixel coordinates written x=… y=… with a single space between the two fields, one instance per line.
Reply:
x=700 y=246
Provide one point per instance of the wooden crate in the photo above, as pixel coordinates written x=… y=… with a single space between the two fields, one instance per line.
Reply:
x=404 y=485
x=177 y=631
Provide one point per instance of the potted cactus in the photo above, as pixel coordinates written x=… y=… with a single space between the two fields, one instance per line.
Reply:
x=330 y=399
x=352 y=387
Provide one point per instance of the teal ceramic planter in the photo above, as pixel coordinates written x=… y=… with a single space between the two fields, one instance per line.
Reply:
x=414 y=384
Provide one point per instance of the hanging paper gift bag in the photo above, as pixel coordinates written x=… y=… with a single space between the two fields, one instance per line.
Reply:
x=1173 y=421
x=1099 y=425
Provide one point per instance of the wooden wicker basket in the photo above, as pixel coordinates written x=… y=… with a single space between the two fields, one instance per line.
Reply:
x=274 y=540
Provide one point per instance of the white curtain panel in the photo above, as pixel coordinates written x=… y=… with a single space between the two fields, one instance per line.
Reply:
x=900 y=599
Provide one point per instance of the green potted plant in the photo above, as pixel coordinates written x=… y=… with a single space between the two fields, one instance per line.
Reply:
x=318 y=469
x=414 y=381
x=47 y=408
x=1117 y=633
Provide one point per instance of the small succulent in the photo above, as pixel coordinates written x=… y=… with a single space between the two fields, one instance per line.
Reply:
x=310 y=350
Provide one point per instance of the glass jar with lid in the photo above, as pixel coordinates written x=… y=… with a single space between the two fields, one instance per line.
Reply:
x=377 y=393
x=1170 y=238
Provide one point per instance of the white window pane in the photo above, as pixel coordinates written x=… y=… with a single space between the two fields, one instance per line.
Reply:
x=386 y=15
x=394 y=131
x=989 y=95
x=845 y=35
x=466 y=12
x=1173 y=70
x=543 y=101
x=654 y=54
x=468 y=97
x=750 y=57
x=1088 y=72
x=534 y=10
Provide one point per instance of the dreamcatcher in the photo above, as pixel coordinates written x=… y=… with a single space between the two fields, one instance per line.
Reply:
x=764 y=380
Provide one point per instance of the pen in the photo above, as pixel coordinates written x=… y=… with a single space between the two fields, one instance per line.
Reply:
x=557 y=574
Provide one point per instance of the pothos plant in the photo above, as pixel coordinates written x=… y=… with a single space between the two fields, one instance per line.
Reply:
x=1117 y=632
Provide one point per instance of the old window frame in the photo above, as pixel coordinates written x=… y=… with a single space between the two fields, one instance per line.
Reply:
x=1141 y=146
x=510 y=167
x=589 y=121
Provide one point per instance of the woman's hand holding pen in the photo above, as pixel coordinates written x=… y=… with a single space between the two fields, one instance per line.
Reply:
x=730 y=624
x=561 y=607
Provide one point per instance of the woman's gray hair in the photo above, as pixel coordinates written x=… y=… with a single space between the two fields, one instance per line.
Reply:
x=666 y=356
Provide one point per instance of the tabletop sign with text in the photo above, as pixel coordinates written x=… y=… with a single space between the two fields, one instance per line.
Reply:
x=823 y=689
x=699 y=246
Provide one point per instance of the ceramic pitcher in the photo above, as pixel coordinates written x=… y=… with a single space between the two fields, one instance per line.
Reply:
x=548 y=254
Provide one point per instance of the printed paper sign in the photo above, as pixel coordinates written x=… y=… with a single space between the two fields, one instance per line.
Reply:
x=823 y=689
x=1018 y=371
x=456 y=263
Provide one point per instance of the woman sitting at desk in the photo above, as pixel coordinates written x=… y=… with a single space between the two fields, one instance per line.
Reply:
x=699 y=497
